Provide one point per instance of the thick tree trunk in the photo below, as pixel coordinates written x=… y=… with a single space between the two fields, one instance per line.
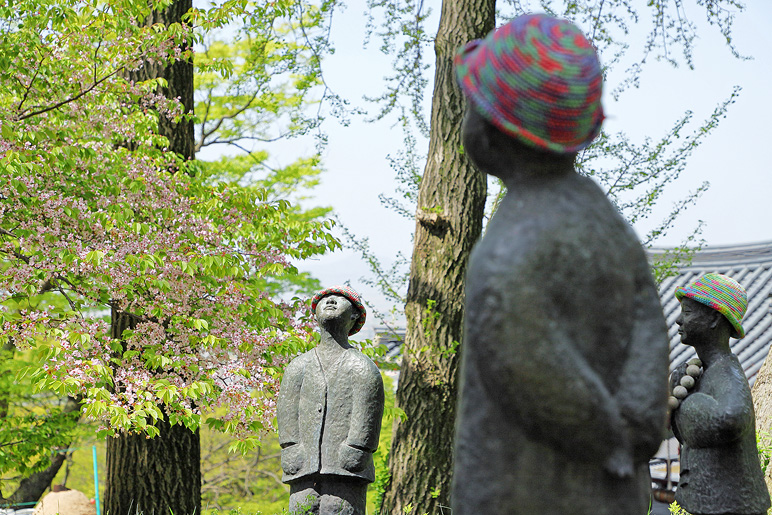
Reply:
x=451 y=203
x=158 y=475
x=762 y=405
x=179 y=78
x=162 y=474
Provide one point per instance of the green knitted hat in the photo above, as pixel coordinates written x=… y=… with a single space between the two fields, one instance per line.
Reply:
x=721 y=293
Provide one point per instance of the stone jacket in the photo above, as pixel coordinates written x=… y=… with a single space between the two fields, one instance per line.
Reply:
x=720 y=471
x=330 y=420
x=564 y=361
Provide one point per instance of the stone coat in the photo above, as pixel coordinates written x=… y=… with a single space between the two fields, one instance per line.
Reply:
x=330 y=423
x=720 y=471
x=564 y=361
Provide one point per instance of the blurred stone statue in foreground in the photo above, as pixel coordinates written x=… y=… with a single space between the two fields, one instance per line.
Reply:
x=712 y=407
x=329 y=413
x=563 y=394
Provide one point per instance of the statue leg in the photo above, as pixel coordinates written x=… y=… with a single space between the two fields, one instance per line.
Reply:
x=304 y=497
x=342 y=496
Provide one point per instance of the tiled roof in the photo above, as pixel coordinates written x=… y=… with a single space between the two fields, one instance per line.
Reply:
x=751 y=266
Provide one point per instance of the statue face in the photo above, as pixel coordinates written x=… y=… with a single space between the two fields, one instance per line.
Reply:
x=694 y=321
x=473 y=135
x=336 y=307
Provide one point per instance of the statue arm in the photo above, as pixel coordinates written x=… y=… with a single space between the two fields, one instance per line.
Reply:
x=287 y=406
x=642 y=393
x=534 y=372
x=367 y=410
x=718 y=417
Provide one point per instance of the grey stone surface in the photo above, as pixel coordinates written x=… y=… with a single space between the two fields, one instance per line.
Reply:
x=565 y=356
x=715 y=423
x=329 y=417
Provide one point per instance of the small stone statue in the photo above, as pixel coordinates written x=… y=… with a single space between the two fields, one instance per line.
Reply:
x=712 y=407
x=563 y=394
x=329 y=413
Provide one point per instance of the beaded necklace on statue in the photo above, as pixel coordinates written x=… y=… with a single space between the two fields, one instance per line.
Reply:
x=687 y=383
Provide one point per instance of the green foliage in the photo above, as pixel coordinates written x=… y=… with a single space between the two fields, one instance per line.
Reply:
x=98 y=217
x=257 y=77
x=32 y=426
x=675 y=509
x=764 y=446
x=391 y=413
x=401 y=27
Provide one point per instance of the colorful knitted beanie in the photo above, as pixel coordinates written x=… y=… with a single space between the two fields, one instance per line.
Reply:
x=537 y=79
x=721 y=293
x=351 y=295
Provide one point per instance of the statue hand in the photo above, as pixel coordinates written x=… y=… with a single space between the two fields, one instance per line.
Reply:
x=683 y=381
x=676 y=375
x=351 y=458
x=292 y=459
x=620 y=463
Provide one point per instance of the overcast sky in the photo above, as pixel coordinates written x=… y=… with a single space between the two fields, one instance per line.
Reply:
x=736 y=208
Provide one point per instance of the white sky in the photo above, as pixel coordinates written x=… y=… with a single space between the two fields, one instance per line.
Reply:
x=736 y=208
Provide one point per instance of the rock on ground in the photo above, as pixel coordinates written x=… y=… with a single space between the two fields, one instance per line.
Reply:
x=69 y=502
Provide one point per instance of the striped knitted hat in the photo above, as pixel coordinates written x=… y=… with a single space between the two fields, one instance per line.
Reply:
x=537 y=79
x=721 y=293
x=351 y=295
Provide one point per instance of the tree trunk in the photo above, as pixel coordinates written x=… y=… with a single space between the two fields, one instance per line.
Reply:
x=162 y=474
x=762 y=405
x=179 y=78
x=451 y=204
x=154 y=475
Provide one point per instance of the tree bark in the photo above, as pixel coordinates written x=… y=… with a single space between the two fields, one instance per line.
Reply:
x=158 y=475
x=179 y=78
x=451 y=205
x=162 y=474
x=762 y=405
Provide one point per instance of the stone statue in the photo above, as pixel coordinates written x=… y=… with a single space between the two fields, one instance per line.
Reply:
x=329 y=413
x=563 y=394
x=713 y=410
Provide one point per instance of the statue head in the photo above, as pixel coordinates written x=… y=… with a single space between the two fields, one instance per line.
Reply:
x=538 y=80
x=341 y=304
x=716 y=292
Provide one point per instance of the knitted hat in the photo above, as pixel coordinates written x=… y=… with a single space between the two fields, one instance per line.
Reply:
x=721 y=293
x=537 y=79
x=351 y=295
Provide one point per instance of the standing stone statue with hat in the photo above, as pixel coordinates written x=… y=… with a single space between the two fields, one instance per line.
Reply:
x=563 y=394
x=712 y=406
x=329 y=413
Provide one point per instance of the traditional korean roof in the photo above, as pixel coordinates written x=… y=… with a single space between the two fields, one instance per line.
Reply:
x=751 y=266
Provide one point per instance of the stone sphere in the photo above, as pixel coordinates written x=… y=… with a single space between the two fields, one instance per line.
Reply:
x=694 y=361
x=679 y=392
x=687 y=382
x=672 y=403
x=694 y=370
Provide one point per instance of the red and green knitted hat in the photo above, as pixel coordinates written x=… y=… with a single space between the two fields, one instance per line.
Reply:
x=537 y=79
x=351 y=295
x=721 y=293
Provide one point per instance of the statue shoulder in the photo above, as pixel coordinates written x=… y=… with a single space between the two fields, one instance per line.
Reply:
x=364 y=363
x=298 y=363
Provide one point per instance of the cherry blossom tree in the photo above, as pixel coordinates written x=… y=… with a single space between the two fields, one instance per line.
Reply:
x=97 y=217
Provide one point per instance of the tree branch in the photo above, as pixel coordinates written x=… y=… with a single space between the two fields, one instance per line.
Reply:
x=71 y=99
